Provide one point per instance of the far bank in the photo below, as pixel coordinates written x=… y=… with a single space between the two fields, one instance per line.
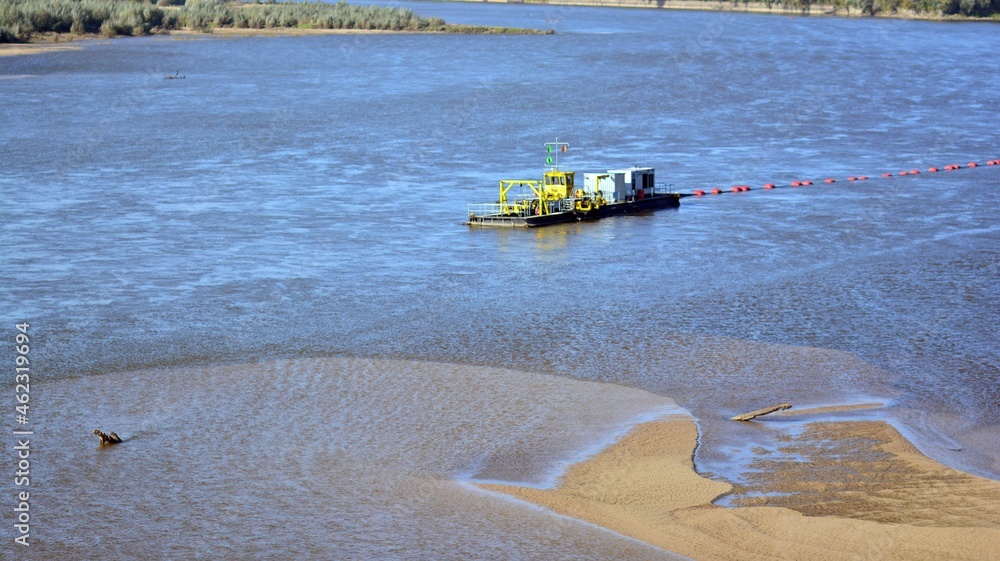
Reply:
x=945 y=10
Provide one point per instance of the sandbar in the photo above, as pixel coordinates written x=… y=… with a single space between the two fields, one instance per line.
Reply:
x=15 y=49
x=53 y=42
x=645 y=486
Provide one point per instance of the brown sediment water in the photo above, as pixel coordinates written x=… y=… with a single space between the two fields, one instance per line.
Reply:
x=365 y=456
x=307 y=457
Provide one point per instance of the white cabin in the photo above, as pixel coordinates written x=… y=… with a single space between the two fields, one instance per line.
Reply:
x=619 y=185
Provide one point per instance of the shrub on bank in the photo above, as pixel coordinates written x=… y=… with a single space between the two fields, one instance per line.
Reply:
x=20 y=19
x=201 y=14
x=969 y=8
x=107 y=17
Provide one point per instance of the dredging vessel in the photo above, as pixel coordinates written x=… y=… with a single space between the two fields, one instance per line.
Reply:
x=556 y=198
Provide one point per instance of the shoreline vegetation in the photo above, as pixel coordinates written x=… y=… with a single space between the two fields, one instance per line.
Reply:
x=23 y=21
x=905 y=9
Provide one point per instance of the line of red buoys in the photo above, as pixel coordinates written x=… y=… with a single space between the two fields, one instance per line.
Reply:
x=803 y=183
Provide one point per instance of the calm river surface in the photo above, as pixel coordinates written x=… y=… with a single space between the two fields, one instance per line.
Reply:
x=260 y=277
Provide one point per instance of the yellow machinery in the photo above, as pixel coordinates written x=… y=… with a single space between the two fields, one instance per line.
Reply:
x=555 y=186
x=518 y=208
x=555 y=199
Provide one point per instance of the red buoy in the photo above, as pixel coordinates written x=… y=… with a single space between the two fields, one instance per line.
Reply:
x=829 y=180
x=991 y=163
x=698 y=192
x=715 y=191
x=932 y=170
x=886 y=175
x=852 y=178
x=862 y=177
x=904 y=173
x=914 y=172
x=807 y=182
x=973 y=164
x=744 y=188
x=769 y=185
x=796 y=183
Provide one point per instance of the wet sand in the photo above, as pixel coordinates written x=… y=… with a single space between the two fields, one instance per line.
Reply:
x=52 y=42
x=15 y=49
x=853 y=490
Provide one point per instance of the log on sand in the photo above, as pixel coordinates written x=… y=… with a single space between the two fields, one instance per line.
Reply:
x=759 y=412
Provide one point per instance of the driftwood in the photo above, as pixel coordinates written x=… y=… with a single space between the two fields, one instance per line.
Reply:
x=759 y=412
x=109 y=438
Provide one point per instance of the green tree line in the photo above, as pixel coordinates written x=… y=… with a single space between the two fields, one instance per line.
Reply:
x=21 y=19
x=968 y=8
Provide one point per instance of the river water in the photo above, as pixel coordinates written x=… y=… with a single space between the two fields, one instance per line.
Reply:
x=260 y=277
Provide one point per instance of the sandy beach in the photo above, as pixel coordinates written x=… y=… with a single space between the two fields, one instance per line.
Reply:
x=51 y=42
x=15 y=49
x=859 y=491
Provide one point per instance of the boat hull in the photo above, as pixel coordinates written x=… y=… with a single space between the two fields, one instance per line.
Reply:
x=647 y=204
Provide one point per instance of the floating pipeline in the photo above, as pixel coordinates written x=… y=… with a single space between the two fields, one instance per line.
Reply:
x=829 y=180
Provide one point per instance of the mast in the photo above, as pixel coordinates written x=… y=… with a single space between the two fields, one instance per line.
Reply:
x=554 y=147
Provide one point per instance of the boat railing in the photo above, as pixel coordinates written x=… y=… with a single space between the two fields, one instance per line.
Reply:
x=485 y=209
x=515 y=208
x=519 y=207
